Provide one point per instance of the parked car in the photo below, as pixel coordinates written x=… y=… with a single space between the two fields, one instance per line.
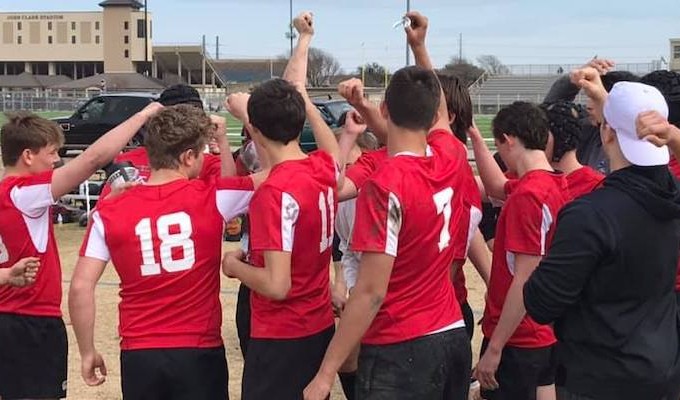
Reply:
x=331 y=110
x=99 y=115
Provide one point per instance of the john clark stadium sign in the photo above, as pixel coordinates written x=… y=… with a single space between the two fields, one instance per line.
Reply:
x=34 y=17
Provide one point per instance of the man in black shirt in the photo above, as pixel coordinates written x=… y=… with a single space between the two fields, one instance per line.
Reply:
x=607 y=282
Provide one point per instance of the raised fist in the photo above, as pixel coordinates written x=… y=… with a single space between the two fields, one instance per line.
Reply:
x=589 y=80
x=304 y=23
x=237 y=105
x=417 y=30
x=353 y=91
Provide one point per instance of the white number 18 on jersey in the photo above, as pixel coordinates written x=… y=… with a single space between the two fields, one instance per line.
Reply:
x=169 y=241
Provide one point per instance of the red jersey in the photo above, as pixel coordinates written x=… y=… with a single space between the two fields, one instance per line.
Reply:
x=165 y=242
x=422 y=211
x=582 y=181
x=674 y=167
x=139 y=158
x=526 y=226
x=459 y=286
x=26 y=231
x=363 y=168
x=294 y=211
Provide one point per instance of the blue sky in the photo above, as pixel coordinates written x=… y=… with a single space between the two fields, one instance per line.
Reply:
x=518 y=32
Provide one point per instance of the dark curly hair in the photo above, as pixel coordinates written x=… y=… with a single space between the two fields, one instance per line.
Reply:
x=668 y=83
x=525 y=121
x=565 y=127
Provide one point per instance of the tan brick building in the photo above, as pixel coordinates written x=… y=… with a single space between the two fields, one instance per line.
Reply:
x=77 y=44
x=674 y=63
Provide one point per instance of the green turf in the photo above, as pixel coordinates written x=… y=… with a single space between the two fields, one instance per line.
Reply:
x=234 y=125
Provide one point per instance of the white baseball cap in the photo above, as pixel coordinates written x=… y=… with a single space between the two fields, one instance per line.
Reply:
x=625 y=102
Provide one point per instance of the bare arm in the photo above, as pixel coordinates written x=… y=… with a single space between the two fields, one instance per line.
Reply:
x=296 y=70
x=99 y=153
x=415 y=34
x=361 y=308
x=81 y=305
x=21 y=274
x=347 y=191
x=511 y=316
x=325 y=140
x=228 y=167
x=353 y=91
x=272 y=281
x=491 y=174
x=479 y=256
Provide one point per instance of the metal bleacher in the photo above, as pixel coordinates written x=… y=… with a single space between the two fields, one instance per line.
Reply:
x=499 y=90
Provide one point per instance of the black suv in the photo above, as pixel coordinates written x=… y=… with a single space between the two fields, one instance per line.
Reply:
x=331 y=111
x=98 y=116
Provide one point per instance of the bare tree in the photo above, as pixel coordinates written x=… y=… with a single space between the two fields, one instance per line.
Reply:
x=492 y=65
x=321 y=68
x=463 y=69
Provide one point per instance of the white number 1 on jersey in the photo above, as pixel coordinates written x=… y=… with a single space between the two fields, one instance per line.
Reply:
x=4 y=255
x=443 y=202
x=326 y=207
x=169 y=241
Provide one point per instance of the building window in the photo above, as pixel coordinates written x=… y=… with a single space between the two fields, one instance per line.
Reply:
x=96 y=39
x=73 y=39
x=140 y=28
x=127 y=53
x=49 y=39
x=18 y=26
x=49 y=26
x=126 y=25
x=676 y=52
x=18 y=39
x=96 y=25
x=73 y=26
x=126 y=39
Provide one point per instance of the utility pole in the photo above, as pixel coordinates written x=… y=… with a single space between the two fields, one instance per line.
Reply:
x=290 y=33
x=146 y=39
x=460 y=48
x=408 y=50
x=217 y=47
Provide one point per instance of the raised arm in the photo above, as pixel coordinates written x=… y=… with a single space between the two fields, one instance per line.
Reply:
x=296 y=70
x=415 y=35
x=589 y=80
x=565 y=89
x=228 y=167
x=296 y=73
x=492 y=176
x=353 y=91
x=656 y=129
x=100 y=152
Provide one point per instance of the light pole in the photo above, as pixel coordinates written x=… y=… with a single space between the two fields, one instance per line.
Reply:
x=290 y=33
x=408 y=50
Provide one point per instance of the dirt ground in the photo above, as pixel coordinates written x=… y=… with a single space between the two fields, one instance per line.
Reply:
x=69 y=237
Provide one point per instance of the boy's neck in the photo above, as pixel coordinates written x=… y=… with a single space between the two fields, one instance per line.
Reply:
x=568 y=163
x=278 y=152
x=532 y=160
x=163 y=176
x=402 y=140
x=14 y=171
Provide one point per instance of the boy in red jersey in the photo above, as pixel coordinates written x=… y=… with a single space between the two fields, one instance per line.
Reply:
x=213 y=166
x=164 y=238
x=565 y=134
x=291 y=237
x=517 y=353
x=33 y=343
x=412 y=221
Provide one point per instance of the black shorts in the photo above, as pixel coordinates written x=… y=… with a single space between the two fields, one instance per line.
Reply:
x=521 y=371
x=487 y=226
x=243 y=318
x=33 y=357
x=174 y=374
x=281 y=368
x=430 y=367
x=469 y=318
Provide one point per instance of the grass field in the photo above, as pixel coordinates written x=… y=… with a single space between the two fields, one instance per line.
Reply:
x=234 y=125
